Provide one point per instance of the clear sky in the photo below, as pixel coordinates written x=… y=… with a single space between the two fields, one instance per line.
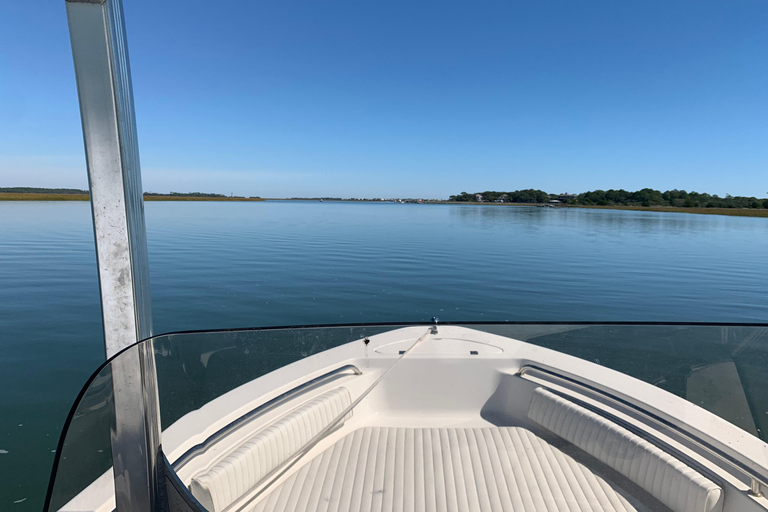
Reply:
x=407 y=99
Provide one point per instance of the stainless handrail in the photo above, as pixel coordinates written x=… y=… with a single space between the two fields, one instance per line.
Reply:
x=260 y=410
x=757 y=480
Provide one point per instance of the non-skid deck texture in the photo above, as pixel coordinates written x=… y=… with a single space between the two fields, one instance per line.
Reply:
x=445 y=470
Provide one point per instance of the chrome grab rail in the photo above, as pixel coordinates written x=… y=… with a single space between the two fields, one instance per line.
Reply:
x=757 y=481
x=262 y=409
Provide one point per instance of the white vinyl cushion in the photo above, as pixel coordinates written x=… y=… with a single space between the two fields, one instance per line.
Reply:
x=670 y=481
x=242 y=469
x=507 y=469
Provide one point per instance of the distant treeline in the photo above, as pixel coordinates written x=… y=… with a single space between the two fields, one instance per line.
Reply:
x=77 y=191
x=679 y=198
x=518 y=196
x=644 y=197
x=33 y=190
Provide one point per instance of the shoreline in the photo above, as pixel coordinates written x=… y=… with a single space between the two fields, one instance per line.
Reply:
x=13 y=196
x=732 y=212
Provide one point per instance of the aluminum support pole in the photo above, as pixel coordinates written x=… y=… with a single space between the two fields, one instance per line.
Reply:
x=100 y=53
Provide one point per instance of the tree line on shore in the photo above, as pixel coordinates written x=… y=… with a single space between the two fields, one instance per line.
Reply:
x=679 y=198
x=34 y=190
x=518 y=196
x=644 y=197
x=77 y=191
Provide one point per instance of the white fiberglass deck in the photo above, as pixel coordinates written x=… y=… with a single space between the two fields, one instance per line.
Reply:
x=467 y=421
x=447 y=469
x=577 y=461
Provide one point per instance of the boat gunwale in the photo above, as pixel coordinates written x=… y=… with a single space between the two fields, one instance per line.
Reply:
x=761 y=478
x=260 y=410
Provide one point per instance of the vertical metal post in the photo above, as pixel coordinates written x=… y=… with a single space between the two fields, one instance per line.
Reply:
x=99 y=48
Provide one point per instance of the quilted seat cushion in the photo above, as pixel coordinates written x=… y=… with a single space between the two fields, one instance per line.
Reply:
x=672 y=482
x=245 y=467
x=389 y=469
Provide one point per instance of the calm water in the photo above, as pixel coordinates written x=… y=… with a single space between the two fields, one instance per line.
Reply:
x=218 y=265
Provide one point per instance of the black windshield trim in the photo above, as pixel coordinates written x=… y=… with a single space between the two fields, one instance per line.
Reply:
x=460 y=323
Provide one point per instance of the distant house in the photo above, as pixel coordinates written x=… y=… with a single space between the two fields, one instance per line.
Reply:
x=554 y=201
x=479 y=198
x=503 y=199
x=565 y=197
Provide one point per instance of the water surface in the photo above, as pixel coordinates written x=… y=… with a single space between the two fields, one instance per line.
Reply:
x=216 y=265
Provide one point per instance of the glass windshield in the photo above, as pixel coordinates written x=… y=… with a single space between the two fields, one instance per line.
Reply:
x=192 y=370
x=84 y=455
x=722 y=369
x=235 y=376
x=195 y=368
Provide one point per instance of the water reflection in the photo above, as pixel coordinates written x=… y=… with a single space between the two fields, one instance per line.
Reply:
x=599 y=220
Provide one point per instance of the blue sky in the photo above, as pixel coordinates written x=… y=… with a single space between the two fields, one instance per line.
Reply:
x=408 y=99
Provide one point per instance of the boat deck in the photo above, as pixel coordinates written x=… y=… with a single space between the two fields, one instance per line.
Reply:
x=421 y=442
x=454 y=469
